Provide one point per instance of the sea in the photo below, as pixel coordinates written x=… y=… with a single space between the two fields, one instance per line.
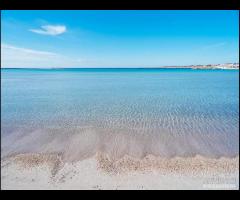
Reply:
x=77 y=112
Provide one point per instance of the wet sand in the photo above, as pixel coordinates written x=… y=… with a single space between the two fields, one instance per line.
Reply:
x=49 y=171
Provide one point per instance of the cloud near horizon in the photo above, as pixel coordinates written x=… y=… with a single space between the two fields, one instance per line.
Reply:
x=14 y=57
x=50 y=30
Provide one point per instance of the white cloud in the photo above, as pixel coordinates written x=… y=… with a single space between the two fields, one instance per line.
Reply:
x=50 y=30
x=27 y=51
x=12 y=56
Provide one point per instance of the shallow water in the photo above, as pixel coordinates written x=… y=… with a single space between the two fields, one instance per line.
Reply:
x=77 y=112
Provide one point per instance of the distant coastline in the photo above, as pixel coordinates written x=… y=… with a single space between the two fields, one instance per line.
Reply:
x=209 y=66
x=228 y=66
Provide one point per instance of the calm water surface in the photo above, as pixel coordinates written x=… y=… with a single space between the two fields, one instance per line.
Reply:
x=77 y=112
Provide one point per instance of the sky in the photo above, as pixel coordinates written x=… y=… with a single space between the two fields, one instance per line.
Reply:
x=43 y=39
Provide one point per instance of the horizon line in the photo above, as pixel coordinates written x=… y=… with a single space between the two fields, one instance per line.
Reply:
x=94 y=68
x=130 y=67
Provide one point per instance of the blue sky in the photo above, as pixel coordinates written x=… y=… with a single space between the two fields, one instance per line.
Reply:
x=118 y=38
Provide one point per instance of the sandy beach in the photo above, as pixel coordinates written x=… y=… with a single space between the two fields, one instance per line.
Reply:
x=47 y=171
x=120 y=100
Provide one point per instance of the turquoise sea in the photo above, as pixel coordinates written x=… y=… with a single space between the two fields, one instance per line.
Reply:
x=78 y=112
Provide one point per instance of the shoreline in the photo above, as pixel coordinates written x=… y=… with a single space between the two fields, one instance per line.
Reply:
x=47 y=171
